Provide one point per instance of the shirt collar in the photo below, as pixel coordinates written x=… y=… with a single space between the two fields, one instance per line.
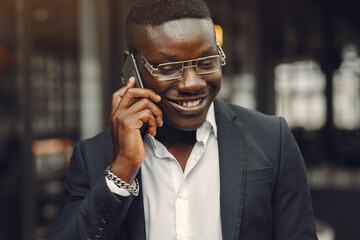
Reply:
x=210 y=117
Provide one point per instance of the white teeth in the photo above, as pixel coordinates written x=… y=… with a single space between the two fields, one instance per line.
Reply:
x=189 y=103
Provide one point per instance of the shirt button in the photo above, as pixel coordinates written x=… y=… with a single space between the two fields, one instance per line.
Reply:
x=99 y=234
x=106 y=218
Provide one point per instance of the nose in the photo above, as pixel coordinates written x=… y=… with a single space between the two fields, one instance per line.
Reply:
x=191 y=81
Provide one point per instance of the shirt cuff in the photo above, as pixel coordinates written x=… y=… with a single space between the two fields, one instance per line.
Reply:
x=115 y=189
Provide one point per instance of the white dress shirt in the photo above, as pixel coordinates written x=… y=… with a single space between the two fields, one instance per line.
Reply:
x=182 y=204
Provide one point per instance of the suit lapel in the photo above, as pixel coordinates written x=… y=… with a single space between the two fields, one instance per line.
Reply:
x=232 y=157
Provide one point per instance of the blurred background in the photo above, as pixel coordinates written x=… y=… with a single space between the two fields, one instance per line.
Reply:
x=60 y=61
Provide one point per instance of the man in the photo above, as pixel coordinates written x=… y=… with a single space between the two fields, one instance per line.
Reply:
x=207 y=169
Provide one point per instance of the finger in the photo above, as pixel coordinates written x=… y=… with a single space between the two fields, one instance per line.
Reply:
x=132 y=93
x=147 y=104
x=147 y=118
x=136 y=121
x=116 y=97
x=131 y=82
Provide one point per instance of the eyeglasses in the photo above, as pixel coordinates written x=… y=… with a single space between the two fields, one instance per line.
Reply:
x=175 y=70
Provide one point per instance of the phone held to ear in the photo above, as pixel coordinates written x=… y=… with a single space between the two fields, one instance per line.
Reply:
x=129 y=70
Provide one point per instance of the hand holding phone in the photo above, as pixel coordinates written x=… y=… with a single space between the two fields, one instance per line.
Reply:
x=126 y=119
x=129 y=70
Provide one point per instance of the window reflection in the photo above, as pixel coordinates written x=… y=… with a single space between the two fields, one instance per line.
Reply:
x=299 y=94
x=244 y=90
x=346 y=90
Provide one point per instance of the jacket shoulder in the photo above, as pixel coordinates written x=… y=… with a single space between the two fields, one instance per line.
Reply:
x=248 y=118
x=99 y=146
x=101 y=139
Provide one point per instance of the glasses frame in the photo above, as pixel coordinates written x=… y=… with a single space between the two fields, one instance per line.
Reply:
x=154 y=71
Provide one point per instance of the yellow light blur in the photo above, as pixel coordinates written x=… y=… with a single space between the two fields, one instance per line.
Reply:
x=219 y=34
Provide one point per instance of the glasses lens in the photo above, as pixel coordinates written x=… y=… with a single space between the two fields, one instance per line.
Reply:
x=208 y=65
x=169 y=71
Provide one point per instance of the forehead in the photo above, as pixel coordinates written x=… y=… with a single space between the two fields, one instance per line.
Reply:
x=184 y=36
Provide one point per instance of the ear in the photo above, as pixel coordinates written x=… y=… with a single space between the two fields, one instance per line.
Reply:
x=126 y=53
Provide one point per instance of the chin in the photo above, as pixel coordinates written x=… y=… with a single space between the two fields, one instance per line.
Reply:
x=190 y=124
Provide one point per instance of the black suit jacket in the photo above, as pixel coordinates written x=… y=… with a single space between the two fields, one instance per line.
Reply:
x=263 y=187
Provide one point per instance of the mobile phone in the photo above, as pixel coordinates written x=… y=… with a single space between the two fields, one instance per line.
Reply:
x=129 y=70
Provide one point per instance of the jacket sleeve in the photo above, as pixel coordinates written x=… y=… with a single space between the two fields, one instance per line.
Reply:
x=90 y=210
x=293 y=217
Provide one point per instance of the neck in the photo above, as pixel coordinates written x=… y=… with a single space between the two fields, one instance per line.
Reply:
x=168 y=135
x=178 y=142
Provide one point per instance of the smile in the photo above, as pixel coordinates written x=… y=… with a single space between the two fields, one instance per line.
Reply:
x=189 y=103
x=189 y=106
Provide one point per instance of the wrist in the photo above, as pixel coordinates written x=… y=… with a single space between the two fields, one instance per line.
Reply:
x=124 y=171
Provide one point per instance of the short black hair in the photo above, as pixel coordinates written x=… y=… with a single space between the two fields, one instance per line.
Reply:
x=156 y=12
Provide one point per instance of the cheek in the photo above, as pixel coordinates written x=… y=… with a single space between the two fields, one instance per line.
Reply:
x=215 y=82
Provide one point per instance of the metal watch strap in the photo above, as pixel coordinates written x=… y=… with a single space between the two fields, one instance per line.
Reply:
x=134 y=190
